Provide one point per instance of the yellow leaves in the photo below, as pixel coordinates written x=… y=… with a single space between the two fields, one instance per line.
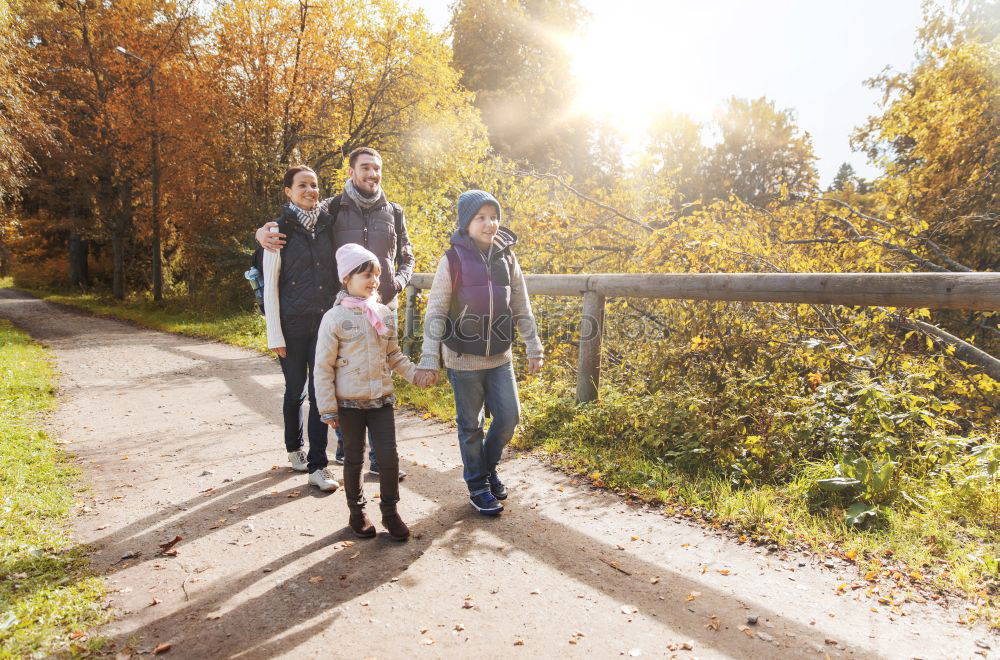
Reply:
x=699 y=343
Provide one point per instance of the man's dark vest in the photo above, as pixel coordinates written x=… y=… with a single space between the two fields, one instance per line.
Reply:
x=307 y=284
x=375 y=230
x=479 y=319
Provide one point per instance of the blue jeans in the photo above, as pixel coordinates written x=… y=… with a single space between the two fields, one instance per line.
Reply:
x=498 y=390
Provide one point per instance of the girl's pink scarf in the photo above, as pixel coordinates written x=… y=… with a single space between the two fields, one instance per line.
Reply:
x=371 y=311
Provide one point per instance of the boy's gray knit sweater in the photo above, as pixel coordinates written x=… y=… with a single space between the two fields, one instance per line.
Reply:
x=437 y=311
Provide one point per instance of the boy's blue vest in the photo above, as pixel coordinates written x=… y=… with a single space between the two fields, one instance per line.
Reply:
x=479 y=318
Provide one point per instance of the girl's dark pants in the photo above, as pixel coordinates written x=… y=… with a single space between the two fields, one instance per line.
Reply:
x=297 y=367
x=381 y=426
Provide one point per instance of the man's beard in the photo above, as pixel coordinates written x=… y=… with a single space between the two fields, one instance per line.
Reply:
x=365 y=193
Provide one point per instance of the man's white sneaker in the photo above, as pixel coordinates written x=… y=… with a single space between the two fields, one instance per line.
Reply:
x=323 y=480
x=298 y=461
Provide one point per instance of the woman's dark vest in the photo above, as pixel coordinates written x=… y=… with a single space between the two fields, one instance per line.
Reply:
x=307 y=284
x=479 y=319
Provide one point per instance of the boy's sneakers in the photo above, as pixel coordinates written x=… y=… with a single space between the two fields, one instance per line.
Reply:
x=496 y=486
x=373 y=470
x=298 y=461
x=323 y=480
x=486 y=504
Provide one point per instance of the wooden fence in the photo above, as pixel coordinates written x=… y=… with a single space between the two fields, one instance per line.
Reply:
x=973 y=291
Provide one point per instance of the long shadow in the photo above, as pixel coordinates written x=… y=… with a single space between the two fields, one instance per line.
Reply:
x=262 y=620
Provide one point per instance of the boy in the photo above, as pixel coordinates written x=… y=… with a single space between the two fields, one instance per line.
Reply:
x=477 y=297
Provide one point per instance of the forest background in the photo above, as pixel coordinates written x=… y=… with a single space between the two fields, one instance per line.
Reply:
x=871 y=429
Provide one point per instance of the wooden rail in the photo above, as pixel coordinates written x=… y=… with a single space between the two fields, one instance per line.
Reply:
x=979 y=291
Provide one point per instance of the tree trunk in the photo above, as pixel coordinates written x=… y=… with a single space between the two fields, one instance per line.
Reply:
x=79 y=276
x=120 y=226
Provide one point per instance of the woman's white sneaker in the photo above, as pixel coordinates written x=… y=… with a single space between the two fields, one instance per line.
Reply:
x=298 y=461
x=323 y=480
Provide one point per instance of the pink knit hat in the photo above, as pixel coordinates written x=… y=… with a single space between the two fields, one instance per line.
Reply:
x=351 y=256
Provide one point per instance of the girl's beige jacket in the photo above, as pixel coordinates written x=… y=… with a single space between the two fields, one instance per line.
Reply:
x=353 y=362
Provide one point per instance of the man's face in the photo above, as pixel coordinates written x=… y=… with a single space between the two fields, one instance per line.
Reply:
x=366 y=174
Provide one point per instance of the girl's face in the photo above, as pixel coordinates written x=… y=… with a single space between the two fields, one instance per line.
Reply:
x=304 y=192
x=363 y=285
x=484 y=225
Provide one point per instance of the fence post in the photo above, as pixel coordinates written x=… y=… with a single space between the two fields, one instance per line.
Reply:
x=408 y=332
x=588 y=373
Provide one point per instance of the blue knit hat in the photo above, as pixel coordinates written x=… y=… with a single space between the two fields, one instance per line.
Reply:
x=471 y=201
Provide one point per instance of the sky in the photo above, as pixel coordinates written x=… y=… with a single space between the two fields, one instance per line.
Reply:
x=637 y=57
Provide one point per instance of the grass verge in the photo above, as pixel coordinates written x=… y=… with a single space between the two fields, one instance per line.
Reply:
x=48 y=601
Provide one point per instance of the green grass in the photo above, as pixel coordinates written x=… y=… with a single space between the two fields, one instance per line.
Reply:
x=48 y=601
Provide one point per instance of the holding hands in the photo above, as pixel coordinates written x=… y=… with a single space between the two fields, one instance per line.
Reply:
x=426 y=378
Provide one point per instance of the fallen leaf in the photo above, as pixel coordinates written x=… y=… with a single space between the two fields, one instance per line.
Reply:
x=76 y=634
x=274 y=467
x=459 y=627
x=704 y=569
x=691 y=596
x=635 y=538
x=348 y=544
x=687 y=646
x=355 y=555
x=171 y=543
x=723 y=571
x=172 y=552
x=535 y=592
x=156 y=601
x=294 y=493
x=162 y=648
x=746 y=630
x=316 y=579
x=851 y=555
x=743 y=538
x=423 y=631
x=713 y=624
x=215 y=616
x=520 y=642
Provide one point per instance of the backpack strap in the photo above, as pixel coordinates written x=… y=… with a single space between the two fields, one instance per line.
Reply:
x=333 y=210
x=454 y=268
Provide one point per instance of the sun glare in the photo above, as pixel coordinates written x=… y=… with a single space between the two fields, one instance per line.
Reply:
x=635 y=61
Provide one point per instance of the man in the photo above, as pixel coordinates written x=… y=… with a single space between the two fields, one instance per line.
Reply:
x=367 y=218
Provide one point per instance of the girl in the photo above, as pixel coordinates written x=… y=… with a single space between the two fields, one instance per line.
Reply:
x=356 y=349
x=477 y=298
x=299 y=287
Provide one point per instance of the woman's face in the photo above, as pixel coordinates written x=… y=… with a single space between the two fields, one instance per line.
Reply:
x=304 y=192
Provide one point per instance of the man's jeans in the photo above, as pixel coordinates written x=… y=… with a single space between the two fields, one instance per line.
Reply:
x=498 y=390
x=297 y=367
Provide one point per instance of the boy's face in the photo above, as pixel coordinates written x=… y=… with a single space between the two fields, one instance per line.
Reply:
x=484 y=225
x=304 y=192
x=363 y=285
x=366 y=174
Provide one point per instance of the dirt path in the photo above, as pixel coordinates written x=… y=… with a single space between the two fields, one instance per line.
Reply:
x=179 y=436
